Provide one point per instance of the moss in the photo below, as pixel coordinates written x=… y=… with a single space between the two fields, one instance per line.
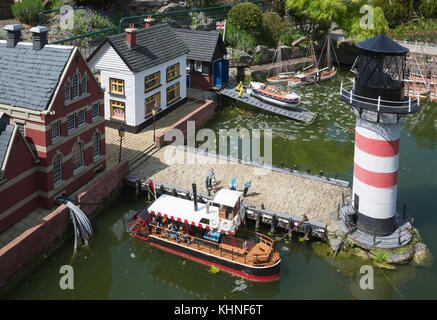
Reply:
x=379 y=255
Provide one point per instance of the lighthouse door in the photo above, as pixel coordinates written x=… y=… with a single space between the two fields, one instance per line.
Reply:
x=356 y=202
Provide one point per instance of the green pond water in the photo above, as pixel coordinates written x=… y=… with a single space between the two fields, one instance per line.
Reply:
x=118 y=267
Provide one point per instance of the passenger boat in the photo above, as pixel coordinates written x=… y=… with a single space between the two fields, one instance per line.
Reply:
x=208 y=233
x=273 y=95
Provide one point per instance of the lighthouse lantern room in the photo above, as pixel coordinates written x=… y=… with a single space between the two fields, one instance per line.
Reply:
x=377 y=96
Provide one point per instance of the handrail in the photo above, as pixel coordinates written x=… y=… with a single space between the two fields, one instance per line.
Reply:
x=347 y=86
x=83 y=35
x=122 y=20
x=257 y=258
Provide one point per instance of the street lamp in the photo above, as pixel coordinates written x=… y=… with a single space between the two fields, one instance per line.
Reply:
x=154 y=110
x=121 y=132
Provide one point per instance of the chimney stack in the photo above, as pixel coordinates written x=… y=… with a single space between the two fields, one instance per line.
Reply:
x=195 y=196
x=39 y=36
x=131 y=36
x=149 y=21
x=14 y=34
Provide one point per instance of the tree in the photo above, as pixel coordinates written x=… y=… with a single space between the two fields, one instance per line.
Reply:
x=345 y=13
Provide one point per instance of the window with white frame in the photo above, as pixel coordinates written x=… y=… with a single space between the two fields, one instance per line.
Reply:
x=77 y=155
x=67 y=91
x=81 y=117
x=57 y=168
x=95 y=110
x=198 y=65
x=84 y=84
x=71 y=122
x=56 y=130
x=76 y=85
x=96 y=145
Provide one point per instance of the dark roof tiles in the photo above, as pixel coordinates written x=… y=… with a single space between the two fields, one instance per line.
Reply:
x=154 y=45
x=28 y=78
x=202 y=44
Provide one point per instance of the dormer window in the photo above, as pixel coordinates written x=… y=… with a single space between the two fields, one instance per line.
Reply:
x=76 y=85
x=67 y=91
x=84 y=84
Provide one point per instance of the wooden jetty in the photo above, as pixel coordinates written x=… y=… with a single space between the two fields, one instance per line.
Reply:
x=278 y=196
x=294 y=113
x=310 y=228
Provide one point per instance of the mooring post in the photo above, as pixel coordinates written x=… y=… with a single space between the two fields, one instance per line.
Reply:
x=175 y=194
x=289 y=228
x=137 y=188
x=274 y=222
x=257 y=218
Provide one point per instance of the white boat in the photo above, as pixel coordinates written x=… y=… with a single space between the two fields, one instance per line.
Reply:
x=273 y=95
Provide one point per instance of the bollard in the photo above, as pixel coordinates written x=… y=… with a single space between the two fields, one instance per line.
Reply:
x=294 y=167
x=321 y=173
x=175 y=194
x=262 y=206
x=289 y=235
x=282 y=164
x=257 y=217
x=274 y=223
x=308 y=170
x=137 y=188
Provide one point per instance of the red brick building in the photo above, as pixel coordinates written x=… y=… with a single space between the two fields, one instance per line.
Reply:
x=52 y=130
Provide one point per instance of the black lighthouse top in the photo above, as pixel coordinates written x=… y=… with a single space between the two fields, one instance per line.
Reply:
x=382 y=45
x=380 y=74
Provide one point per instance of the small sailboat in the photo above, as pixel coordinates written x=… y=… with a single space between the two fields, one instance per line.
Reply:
x=273 y=95
x=416 y=83
x=309 y=73
x=433 y=81
x=281 y=76
x=315 y=74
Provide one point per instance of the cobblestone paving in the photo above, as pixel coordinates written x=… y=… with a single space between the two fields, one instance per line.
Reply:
x=277 y=191
x=134 y=145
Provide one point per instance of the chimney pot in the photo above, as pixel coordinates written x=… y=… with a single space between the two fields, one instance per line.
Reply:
x=39 y=36
x=131 y=36
x=149 y=21
x=14 y=34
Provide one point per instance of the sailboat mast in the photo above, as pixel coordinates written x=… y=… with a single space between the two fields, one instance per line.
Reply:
x=329 y=53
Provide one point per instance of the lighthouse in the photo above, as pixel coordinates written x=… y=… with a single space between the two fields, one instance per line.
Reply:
x=377 y=97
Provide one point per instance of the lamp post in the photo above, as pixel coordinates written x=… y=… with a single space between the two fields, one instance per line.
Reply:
x=121 y=132
x=155 y=108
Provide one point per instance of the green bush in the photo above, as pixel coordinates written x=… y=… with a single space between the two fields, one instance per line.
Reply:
x=28 y=11
x=85 y=20
x=274 y=27
x=424 y=31
x=396 y=11
x=240 y=39
x=246 y=16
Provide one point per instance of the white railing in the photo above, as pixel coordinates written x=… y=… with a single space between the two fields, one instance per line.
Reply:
x=415 y=43
x=349 y=88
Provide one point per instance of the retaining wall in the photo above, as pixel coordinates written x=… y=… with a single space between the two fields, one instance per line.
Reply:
x=28 y=246
x=5 y=8
x=199 y=116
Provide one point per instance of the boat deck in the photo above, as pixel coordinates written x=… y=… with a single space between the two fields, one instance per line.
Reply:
x=258 y=254
x=294 y=113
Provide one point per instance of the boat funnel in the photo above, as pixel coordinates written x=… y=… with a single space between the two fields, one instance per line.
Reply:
x=194 y=196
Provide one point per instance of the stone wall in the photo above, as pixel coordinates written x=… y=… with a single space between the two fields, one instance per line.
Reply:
x=30 y=245
x=5 y=8
x=103 y=188
x=199 y=116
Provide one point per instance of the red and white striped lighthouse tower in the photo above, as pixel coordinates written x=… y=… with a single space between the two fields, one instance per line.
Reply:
x=377 y=95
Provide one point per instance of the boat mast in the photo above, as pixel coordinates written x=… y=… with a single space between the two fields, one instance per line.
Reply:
x=329 y=53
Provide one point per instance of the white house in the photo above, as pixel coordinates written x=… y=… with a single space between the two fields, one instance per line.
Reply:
x=141 y=70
